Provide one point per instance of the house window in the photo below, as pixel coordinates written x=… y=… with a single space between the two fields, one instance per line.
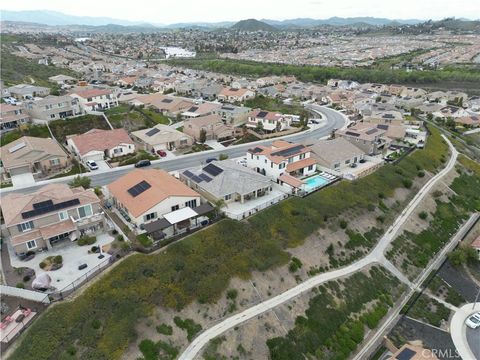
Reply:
x=228 y=197
x=310 y=167
x=63 y=215
x=32 y=244
x=191 y=203
x=281 y=165
x=85 y=211
x=117 y=150
x=54 y=162
x=52 y=116
x=302 y=156
x=25 y=226
x=175 y=207
x=290 y=160
x=150 y=216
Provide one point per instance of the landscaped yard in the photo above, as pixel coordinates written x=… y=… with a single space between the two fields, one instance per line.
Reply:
x=200 y=267
x=134 y=118
x=76 y=125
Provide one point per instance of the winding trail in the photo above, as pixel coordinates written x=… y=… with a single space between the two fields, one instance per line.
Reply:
x=375 y=256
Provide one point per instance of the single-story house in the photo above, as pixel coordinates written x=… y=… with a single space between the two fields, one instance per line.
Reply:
x=336 y=154
x=162 y=137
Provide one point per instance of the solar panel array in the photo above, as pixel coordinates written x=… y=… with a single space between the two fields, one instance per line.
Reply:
x=45 y=207
x=371 y=131
x=139 y=188
x=152 y=132
x=188 y=174
x=262 y=114
x=382 y=127
x=193 y=109
x=288 y=152
x=205 y=177
x=167 y=101
x=212 y=169
x=352 y=133
x=256 y=150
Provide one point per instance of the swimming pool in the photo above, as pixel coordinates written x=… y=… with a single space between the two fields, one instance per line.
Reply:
x=315 y=182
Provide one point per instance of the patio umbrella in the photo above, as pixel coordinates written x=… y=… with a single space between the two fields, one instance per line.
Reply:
x=42 y=281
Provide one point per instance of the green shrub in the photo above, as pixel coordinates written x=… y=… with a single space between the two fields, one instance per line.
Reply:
x=149 y=349
x=423 y=215
x=58 y=259
x=86 y=240
x=295 y=264
x=407 y=183
x=42 y=264
x=343 y=224
x=189 y=326
x=145 y=240
x=20 y=285
x=232 y=294
x=80 y=181
x=164 y=329
x=120 y=237
x=421 y=174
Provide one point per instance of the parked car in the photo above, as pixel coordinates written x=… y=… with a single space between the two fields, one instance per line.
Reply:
x=92 y=165
x=353 y=165
x=473 y=321
x=161 y=153
x=143 y=163
x=10 y=100
x=209 y=160
x=362 y=161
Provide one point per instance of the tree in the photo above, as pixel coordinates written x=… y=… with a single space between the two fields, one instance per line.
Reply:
x=223 y=157
x=203 y=136
x=82 y=181
x=429 y=116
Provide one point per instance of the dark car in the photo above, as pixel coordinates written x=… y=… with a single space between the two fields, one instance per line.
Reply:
x=161 y=153
x=143 y=163
x=209 y=160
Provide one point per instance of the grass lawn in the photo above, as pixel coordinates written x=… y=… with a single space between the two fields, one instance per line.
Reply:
x=134 y=118
x=199 y=268
x=28 y=130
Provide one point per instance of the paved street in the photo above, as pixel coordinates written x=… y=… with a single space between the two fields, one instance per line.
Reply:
x=466 y=341
x=104 y=177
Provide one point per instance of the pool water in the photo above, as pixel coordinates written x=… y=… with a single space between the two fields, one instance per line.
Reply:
x=315 y=182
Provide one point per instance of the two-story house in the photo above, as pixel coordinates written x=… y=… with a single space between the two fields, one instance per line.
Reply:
x=268 y=121
x=12 y=116
x=283 y=161
x=53 y=108
x=235 y=95
x=95 y=99
x=212 y=125
x=37 y=221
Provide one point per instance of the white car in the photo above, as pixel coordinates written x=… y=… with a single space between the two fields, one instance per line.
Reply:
x=92 y=165
x=473 y=321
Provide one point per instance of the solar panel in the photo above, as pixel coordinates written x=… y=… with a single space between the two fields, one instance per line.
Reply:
x=352 y=133
x=288 y=152
x=406 y=354
x=205 y=177
x=262 y=114
x=371 y=131
x=45 y=208
x=188 y=174
x=256 y=150
x=167 y=101
x=197 y=179
x=212 y=169
x=16 y=147
x=193 y=109
x=43 y=204
x=152 y=132
x=139 y=188
x=382 y=127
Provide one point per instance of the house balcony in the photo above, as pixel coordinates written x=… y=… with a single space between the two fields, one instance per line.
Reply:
x=95 y=218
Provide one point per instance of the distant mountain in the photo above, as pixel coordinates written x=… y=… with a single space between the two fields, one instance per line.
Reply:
x=253 y=25
x=54 y=18
x=339 y=21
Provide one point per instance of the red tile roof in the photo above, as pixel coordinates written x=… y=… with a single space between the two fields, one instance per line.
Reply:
x=100 y=140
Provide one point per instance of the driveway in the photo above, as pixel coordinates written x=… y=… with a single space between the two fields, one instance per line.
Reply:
x=214 y=144
x=102 y=165
x=23 y=180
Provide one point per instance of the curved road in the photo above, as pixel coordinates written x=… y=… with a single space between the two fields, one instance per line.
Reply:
x=375 y=256
x=335 y=120
x=466 y=340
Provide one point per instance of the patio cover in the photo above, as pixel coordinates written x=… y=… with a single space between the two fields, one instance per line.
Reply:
x=157 y=225
x=203 y=209
x=180 y=215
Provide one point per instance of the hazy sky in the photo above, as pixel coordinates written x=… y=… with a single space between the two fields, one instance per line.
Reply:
x=172 y=11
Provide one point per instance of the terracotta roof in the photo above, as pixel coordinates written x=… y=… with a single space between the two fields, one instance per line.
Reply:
x=24 y=237
x=297 y=165
x=13 y=204
x=290 y=180
x=163 y=186
x=29 y=150
x=233 y=92
x=90 y=93
x=100 y=140
x=57 y=229
x=476 y=243
x=278 y=145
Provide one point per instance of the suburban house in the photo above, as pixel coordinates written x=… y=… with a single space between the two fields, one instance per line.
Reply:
x=98 y=144
x=476 y=246
x=450 y=111
x=38 y=156
x=232 y=114
x=389 y=117
x=472 y=121
x=12 y=116
x=202 y=109
x=370 y=138
x=235 y=95
x=143 y=196
x=62 y=79
x=27 y=91
x=95 y=99
x=53 y=108
x=37 y=221
x=212 y=125
x=283 y=161
x=162 y=137
x=268 y=121
x=336 y=154
x=170 y=105
x=227 y=181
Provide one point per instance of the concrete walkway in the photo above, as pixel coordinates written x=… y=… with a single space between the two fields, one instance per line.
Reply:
x=375 y=256
x=458 y=330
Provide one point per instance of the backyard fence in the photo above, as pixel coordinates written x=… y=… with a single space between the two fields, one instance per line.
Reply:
x=23 y=293
x=256 y=209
